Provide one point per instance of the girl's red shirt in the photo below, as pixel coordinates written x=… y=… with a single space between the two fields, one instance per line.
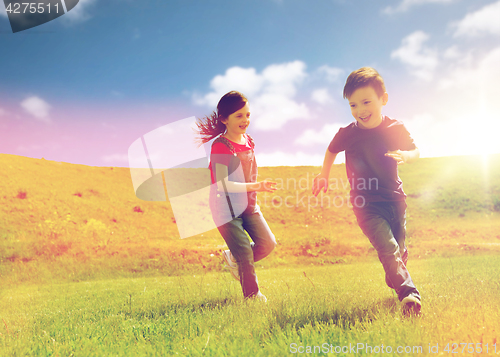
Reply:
x=224 y=154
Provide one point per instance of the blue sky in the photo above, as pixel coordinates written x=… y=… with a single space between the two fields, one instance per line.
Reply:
x=83 y=87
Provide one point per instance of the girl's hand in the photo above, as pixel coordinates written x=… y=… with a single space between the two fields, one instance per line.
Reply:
x=398 y=156
x=267 y=186
x=320 y=182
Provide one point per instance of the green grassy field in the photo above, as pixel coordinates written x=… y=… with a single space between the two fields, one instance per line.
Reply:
x=86 y=268
x=195 y=315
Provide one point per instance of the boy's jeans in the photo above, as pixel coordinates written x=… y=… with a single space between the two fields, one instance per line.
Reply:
x=246 y=252
x=384 y=223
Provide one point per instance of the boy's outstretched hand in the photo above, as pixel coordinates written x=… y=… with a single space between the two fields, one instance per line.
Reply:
x=403 y=157
x=397 y=155
x=320 y=182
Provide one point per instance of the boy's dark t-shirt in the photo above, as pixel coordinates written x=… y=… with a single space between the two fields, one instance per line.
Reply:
x=371 y=174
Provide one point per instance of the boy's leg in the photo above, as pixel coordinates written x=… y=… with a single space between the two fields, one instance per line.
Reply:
x=375 y=221
x=258 y=229
x=398 y=227
x=239 y=245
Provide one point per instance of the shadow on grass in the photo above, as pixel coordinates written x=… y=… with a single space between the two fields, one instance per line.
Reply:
x=283 y=315
x=341 y=316
x=162 y=310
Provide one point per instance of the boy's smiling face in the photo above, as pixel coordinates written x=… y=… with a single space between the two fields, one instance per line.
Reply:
x=366 y=107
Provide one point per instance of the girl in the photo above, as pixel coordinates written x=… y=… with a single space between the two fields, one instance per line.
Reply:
x=233 y=198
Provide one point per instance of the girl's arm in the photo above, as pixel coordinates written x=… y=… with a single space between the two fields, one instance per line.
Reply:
x=221 y=174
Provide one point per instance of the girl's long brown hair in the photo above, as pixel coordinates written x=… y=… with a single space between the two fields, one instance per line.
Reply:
x=211 y=126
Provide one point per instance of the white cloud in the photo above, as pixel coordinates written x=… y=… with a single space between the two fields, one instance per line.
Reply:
x=421 y=60
x=321 y=96
x=280 y=158
x=2 y=112
x=271 y=93
x=476 y=79
x=428 y=134
x=38 y=108
x=332 y=74
x=452 y=53
x=464 y=118
x=274 y=110
x=484 y=21
x=79 y=13
x=245 y=80
x=405 y=5
x=322 y=137
x=283 y=78
x=454 y=134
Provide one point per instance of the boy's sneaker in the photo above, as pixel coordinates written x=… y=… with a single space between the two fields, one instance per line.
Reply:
x=411 y=305
x=231 y=264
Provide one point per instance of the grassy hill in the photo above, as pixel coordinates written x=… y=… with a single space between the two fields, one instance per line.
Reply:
x=75 y=222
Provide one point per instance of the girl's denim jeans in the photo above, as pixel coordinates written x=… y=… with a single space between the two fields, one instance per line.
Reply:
x=245 y=252
x=384 y=223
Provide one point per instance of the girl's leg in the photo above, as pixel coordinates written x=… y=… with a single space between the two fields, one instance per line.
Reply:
x=258 y=229
x=239 y=245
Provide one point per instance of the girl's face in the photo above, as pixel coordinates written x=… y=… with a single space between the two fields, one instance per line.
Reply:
x=238 y=122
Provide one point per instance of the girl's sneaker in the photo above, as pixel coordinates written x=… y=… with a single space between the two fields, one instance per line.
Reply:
x=260 y=297
x=411 y=305
x=231 y=264
x=257 y=297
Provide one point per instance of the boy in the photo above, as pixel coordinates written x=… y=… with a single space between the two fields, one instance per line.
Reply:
x=374 y=145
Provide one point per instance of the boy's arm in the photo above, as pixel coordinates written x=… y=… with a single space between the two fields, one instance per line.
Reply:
x=403 y=157
x=321 y=180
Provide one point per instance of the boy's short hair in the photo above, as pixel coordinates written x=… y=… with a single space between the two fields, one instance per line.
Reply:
x=365 y=76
